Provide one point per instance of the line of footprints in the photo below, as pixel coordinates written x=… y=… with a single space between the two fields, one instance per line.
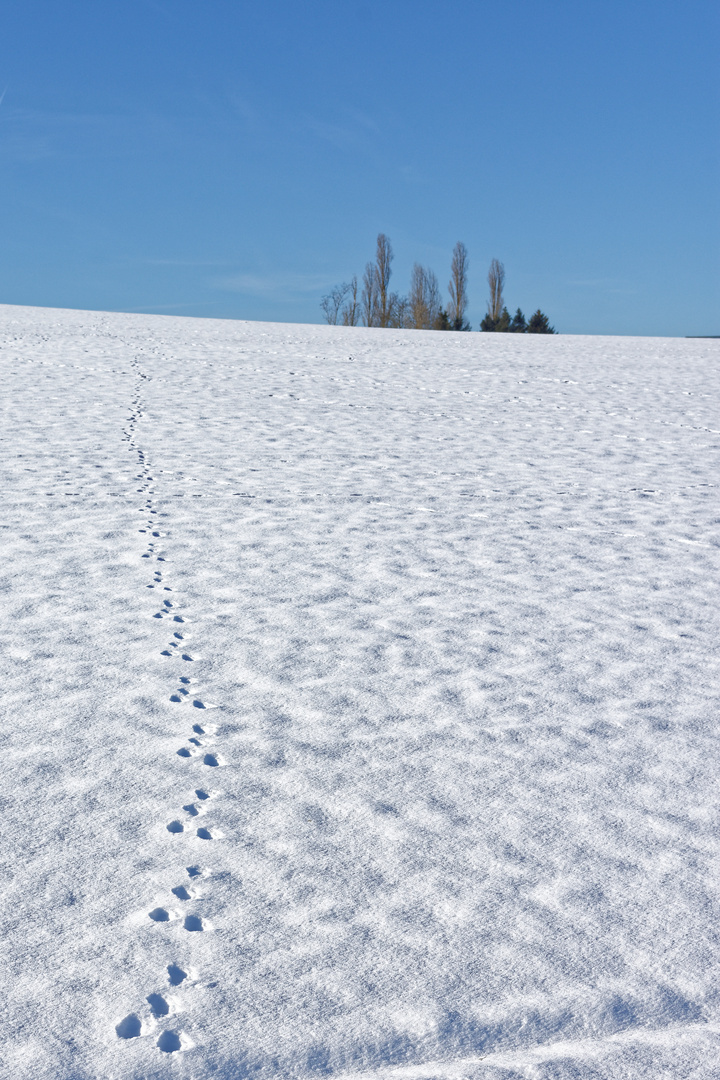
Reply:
x=160 y=1005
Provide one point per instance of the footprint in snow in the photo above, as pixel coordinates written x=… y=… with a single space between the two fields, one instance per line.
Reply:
x=159 y=914
x=129 y=1028
x=176 y=975
x=191 y=809
x=181 y=892
x=204 y=834
x=193 y=923
x=169 y=1042
x=175 y=827
x=158 y=1005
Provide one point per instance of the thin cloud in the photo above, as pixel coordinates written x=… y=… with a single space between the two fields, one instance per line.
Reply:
x=608 y=285
x=273 y=286
x=357 y=132
x=187 y=262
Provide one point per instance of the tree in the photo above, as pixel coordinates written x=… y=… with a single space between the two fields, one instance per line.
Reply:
x=458 y=288
x=368 y=299
x=383 y=272
x=332 y=303
x=351 y=311
x=518 y=324
x=496 y=280
x=424 y=299
x=539 y=324
x=503 y=323
x=401 y=316
x=443 y=321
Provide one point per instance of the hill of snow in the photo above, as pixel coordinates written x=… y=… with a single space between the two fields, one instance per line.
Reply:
x=360 y=702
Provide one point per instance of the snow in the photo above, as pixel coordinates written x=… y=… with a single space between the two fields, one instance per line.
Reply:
x=360 y=697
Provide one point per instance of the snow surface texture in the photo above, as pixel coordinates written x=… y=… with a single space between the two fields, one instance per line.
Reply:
x=360 y=699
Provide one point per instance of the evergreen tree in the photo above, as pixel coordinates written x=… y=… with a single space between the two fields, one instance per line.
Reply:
x=488 y=324
x=442 y=322
x=503 y=323
x=518 y=324
x=539 y=324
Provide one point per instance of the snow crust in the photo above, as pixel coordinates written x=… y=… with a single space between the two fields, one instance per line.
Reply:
x=444 y=704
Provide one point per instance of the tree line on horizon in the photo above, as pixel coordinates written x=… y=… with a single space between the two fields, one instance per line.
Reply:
x=371 y=302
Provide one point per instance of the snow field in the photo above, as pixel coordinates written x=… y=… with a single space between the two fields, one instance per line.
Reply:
x=361 y=699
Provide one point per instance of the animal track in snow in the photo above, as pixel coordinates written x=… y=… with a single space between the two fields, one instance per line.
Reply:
x=129 y=1028
x=176 y=975
x=159 y=914
x=158 y=1005
x=169 y=1041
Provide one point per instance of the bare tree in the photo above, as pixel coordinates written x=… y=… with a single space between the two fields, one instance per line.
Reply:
x=402 y=317
x=424 y=300
x=458 y=288
x=496 y=280
x=332 y=303
x=383 y=272
x=351 y=312
x=368 y=298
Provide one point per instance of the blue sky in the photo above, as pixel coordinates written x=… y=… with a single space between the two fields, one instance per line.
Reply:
x=236 y=160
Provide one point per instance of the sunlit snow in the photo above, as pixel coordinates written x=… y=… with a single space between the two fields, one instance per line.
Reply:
x=360 y=702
